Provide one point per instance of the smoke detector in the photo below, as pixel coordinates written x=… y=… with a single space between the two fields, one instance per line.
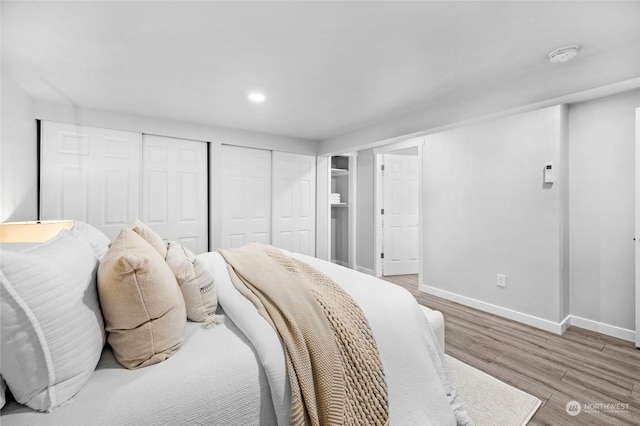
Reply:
x=564 y=54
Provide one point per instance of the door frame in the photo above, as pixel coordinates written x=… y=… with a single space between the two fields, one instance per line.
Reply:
x=637 y=230
x=378 y=198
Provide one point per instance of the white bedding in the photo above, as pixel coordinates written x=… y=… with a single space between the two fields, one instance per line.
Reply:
x=413 y=361
x=214 y=379
x=419 y=387
x=235 y=374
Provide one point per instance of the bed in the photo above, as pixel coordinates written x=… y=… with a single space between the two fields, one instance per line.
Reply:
x=234 y=372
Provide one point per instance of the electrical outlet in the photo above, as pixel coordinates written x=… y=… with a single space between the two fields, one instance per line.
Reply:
x=501 y=280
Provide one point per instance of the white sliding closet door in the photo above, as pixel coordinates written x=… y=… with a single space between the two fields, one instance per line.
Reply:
x=175 y=190
x=294 y=202
x=89 y=174
x=246 y=196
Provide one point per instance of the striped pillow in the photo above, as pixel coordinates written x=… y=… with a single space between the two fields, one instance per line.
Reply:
x=52 y=330
x=196 y=283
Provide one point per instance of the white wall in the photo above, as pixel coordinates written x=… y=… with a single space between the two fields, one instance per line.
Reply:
x=18 y=154
x=566 y=249
x=602 y=211
x=365 y=214
x=487 y=212
x=323 y=209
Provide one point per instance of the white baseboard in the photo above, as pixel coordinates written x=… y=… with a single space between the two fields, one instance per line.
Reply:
x=541 y=323
x=599 y=327
x=365 y=270
x=531 y=320
x=565 y=323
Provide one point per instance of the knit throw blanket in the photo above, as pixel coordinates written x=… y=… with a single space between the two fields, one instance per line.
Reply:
x=332 y=359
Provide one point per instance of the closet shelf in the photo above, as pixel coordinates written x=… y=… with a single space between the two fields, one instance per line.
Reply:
x=340 y=205
x=339 y=172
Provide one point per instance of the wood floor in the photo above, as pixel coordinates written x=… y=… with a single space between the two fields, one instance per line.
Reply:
x=581 y=365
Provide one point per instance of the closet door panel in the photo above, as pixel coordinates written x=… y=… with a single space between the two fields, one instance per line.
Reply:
x=116 y=184
x=188 y=205
x=175 y=190
x=114 y=176
x=294 y=183
x=156 y=198
x=246 y=196
x=74 y=194
x=89 y=174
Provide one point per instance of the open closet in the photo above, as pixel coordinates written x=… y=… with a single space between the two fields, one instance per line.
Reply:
x=342 y=201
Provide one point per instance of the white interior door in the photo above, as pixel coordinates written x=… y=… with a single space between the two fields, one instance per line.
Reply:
x=246 y=196
x=637 y=237
x=294 y=202
x=400 y=219
x=175 y=190
x=89 y=174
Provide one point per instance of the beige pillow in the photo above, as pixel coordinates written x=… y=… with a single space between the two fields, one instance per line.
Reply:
x=151 y=237
x=141 y=302
x=196 y=284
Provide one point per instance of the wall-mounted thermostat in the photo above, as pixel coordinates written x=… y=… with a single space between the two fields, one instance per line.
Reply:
x=548 y=173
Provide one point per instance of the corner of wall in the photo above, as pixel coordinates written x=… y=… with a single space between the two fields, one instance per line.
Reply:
x=563 y=178
x=19 y=168
x=602 y=174
x=365 y=221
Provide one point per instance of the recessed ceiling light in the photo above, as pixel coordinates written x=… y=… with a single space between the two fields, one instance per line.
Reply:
x=564 y=54
x=257 y=97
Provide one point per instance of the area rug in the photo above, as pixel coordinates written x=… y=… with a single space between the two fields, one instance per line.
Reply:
x=488 y=400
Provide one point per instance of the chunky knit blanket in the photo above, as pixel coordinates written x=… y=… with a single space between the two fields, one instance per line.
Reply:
x=332 y=359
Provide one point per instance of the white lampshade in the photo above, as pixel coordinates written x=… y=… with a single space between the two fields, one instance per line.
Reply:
x=32 y=232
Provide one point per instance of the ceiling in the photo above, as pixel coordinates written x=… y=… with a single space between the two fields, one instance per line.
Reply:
x=327 y=68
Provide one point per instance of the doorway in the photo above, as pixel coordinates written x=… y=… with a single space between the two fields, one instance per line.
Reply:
x=398 y=205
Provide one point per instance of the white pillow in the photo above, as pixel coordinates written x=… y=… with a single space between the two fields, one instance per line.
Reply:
x=196 y=283
x=52 y=331
x=98 y=241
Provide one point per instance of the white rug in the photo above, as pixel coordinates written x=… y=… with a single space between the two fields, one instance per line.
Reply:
x=488 y=400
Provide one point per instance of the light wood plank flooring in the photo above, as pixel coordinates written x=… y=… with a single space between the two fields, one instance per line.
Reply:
x=580 y=365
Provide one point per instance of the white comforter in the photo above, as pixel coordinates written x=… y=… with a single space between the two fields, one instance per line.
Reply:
x=419 y=387
x=216 y=379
